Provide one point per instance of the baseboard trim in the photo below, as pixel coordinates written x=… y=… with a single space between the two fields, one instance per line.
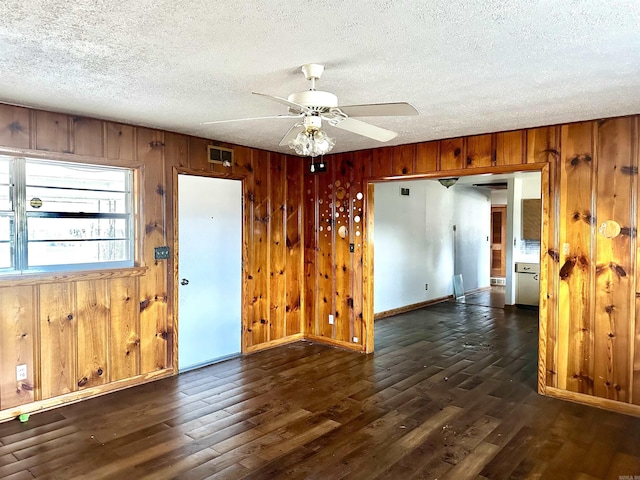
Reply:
x=604 y=403
x=274 y=343
x=410 y=308
x=91 y=392
x=476 y=290
x=356 y=347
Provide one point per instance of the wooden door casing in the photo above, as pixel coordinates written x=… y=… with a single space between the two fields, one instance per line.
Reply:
x=498 y=241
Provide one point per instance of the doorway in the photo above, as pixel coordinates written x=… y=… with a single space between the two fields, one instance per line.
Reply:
x=472 y=228
x=498 y=241
x=209 y=270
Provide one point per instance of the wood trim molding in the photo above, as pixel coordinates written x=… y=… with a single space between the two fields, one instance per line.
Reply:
x=358 y=347
x=368 y=339
x=604 y=403
x=73 y=397
x=69 y=157
x=203 y=173
x=413 y=306
x=546 y=285
x=464 y=172
x=173 y=320
x=43 y=278
x=274 y=343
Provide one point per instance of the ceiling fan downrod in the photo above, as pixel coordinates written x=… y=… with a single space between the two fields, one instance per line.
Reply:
x=312 y=72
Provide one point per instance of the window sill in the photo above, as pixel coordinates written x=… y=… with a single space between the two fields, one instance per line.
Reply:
x=54 y=277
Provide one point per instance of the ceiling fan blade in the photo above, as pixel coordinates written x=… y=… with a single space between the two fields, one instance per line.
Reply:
x=249 y=119
x=396 y=109
x=291 y=134
x=296 y=107
x=365 y=129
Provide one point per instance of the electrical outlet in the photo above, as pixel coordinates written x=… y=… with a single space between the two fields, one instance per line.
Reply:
x=426 y=286
x=355 y=339
x=21 y=372
x=161 y=253
x=330 y=319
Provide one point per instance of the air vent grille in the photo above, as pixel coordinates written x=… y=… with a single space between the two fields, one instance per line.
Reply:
x=221 y=155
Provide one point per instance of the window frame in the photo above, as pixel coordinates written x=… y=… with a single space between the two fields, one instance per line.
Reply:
x=19 y=215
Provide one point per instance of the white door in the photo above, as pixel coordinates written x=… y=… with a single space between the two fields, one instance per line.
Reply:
x=209 y=269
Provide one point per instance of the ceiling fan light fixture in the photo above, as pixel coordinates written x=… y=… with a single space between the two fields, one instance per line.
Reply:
x=312 y=142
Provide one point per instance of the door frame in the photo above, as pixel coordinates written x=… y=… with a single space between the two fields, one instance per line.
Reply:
x=503 y=249
x=545 y=313
x=174 y=259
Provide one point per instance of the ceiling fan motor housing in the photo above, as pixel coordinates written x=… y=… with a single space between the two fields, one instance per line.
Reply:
x=315 y=100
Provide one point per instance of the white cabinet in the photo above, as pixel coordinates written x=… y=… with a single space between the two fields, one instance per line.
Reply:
x=527 y=284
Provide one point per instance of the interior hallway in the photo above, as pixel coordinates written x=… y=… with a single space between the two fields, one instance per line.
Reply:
x=448 y=393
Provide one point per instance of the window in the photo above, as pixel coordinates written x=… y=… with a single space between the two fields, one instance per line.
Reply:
x=64 y=216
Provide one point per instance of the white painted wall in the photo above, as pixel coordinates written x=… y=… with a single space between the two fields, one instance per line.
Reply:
x=498 y=197
x=531 y=184
x=414 y=241
x=514 y=194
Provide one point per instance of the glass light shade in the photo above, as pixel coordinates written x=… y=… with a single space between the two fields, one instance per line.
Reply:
x=312 y=143
x=447 y=182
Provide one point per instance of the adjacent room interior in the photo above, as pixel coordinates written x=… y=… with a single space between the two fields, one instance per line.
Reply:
x=437 y=232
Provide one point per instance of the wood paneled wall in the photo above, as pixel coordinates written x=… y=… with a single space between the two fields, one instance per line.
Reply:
x=82 y=334
x=308 y=250
x=590 y=334
x=337 y=267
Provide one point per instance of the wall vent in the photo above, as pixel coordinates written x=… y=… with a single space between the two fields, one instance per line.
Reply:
x=498 y=281
x=404 y=191
x=221 y=155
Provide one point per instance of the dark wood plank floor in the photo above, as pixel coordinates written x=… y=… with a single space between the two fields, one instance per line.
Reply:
x=490 y=297
x=449 y=393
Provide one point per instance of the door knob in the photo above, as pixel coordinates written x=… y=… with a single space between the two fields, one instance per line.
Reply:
x=184 y=281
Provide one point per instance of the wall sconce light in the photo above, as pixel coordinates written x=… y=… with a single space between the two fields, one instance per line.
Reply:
x=447 y=182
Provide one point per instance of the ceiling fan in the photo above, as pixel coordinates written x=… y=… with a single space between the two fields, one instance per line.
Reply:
x=313 y=106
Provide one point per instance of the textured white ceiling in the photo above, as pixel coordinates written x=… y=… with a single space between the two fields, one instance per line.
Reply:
x=468 y=66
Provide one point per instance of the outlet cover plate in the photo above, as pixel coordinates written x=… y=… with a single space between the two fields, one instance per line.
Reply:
x=161 y=253
x=21 y=372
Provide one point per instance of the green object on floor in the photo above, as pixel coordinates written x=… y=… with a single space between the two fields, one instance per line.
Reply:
x=24 y=417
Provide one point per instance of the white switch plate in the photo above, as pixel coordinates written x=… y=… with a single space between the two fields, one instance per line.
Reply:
x=566 y=248
x=330 y=319
x=355 y=339
x=21 y=372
